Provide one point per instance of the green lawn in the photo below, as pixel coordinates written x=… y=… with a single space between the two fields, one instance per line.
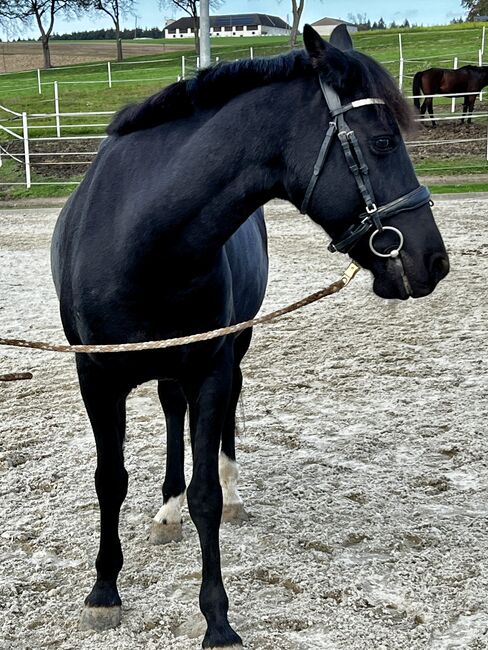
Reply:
x=86 y=88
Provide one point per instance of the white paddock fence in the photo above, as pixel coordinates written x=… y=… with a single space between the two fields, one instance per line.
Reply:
x=19 y=141
x=110 y=73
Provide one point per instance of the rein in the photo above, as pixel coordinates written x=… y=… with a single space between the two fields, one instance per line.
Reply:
x=335 y=287
x=373 y=217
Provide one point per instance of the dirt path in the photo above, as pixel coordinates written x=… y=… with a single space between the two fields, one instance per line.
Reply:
x=363 y=454
x=458 y=179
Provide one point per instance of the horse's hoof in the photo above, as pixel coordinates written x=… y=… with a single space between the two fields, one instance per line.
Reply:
x=165 y=533
x=100 y=618
x=236 y=646
x=234 y=513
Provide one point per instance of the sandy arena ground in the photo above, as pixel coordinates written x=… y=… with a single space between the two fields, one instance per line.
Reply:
x=363 y=450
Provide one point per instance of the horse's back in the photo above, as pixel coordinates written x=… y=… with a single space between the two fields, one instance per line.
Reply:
x=448 y=80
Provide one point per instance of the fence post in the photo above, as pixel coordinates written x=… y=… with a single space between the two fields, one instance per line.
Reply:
x=483 y=34
x=182 y=67
x=25 y=130
x=480 y=63
x=251 y=52
x=56 y=109
x=453 y=100
x=109 y=71
x=198 y=63
x=400 y=72
x=39 y=86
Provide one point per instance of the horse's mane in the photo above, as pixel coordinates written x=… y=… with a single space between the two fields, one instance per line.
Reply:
x=215 y=86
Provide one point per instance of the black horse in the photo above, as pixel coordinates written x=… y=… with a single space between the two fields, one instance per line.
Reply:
x=468 y=79
x=165 y=237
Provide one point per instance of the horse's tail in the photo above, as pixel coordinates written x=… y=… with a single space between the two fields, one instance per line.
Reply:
x=417 y=88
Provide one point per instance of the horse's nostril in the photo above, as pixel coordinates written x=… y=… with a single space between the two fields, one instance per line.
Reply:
x=439 y=266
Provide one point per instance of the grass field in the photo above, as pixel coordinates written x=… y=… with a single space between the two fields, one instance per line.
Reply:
x=85 y=87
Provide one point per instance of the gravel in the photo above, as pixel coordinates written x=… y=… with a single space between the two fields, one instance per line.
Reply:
x=363 y=454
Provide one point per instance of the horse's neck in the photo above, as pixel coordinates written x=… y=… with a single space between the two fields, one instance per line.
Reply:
x=232 y=165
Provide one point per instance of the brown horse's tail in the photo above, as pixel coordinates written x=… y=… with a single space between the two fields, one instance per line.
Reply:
x=417 y=88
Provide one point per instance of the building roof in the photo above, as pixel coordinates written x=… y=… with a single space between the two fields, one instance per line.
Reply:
x=238 y=20
x=331 y=21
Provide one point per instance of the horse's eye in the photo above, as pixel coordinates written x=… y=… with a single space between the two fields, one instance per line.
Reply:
x=383 y=143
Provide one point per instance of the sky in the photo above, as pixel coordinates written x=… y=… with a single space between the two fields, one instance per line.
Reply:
x=149 y=14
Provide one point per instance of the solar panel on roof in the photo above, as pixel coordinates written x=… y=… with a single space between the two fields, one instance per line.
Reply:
x=235 y=19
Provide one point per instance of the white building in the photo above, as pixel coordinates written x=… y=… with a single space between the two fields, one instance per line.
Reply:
x=325 y=26
x=232 y=25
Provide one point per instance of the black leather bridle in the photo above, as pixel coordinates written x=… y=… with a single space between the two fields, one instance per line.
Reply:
x=372 y=218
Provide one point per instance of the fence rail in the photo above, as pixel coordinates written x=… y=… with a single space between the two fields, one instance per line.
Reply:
x=27 y=158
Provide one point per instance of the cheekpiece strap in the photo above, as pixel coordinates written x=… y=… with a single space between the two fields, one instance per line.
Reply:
x=350 y=145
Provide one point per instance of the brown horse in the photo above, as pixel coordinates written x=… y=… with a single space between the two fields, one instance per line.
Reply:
x=468 y=79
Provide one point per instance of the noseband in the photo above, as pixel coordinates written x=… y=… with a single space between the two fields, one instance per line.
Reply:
x=372 y=218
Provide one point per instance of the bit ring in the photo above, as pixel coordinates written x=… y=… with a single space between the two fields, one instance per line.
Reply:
x=396 y=251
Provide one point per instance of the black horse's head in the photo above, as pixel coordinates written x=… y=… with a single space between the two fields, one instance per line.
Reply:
x=364 y=192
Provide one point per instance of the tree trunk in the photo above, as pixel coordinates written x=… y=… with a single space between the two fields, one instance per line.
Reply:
x=46 y=52
x=297 y=14
x=195 y=30
x=120 y=54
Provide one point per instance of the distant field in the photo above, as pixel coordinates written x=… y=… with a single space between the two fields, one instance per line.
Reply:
x=16 y=57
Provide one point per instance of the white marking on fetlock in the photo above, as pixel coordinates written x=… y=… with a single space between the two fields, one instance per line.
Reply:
x=228 y=474
x=170 y=513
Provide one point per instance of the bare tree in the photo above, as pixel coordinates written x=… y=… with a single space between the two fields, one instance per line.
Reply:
x=297 y=10
x=113 y=8
x=190 y=7
x=43 y=12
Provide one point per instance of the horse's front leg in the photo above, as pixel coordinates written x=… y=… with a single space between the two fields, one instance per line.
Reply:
x=167 y=525
x=105 y=399
x=471 y=101
x=208 y=400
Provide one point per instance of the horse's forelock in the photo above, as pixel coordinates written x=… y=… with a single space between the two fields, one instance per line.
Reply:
x=376 y=81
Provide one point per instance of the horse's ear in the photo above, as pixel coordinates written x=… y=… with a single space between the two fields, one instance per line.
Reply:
x=341 y=39
x=314 y=44
x=326 y=58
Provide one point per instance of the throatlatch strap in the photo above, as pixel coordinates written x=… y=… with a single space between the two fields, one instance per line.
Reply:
x=324 y=150
x=333 y=103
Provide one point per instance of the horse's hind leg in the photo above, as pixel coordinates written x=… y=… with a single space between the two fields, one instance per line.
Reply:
x=105 y=399
x=430 y=107
x=167 y=526
x=233 y=509
x=423 y=108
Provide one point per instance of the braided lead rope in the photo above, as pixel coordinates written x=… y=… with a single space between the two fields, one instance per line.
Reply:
x=335 y=287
